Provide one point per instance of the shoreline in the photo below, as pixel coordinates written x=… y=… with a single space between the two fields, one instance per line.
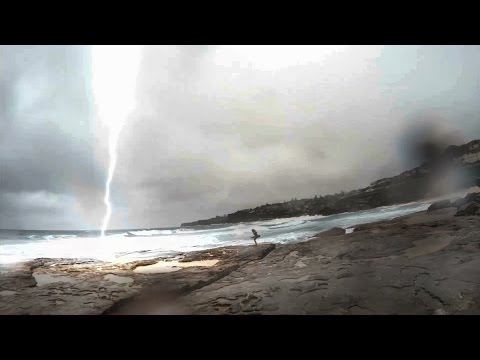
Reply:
x=427 y=262
x=154 y=252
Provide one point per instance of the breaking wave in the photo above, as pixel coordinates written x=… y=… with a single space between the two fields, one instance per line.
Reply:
x=126 y=245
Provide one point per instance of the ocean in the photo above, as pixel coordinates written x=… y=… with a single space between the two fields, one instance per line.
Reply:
x=128 y=245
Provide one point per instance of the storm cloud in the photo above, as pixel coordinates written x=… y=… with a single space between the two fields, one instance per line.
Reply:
x=48 y=174
x=220 y=128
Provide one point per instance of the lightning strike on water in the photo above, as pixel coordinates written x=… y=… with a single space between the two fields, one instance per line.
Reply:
x=112 y=151
x=115 y=71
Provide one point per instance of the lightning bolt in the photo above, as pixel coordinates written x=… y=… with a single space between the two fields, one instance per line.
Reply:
x=112 y=151
x=115 y=70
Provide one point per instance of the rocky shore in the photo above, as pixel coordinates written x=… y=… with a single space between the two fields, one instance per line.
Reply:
x=424 y=263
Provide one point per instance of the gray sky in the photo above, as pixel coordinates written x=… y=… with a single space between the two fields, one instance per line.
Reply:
x=219 y=128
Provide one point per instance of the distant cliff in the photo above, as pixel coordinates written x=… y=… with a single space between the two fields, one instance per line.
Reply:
x=411 y=185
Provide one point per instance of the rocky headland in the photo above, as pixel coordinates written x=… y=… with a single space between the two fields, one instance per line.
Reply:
x=459 y=164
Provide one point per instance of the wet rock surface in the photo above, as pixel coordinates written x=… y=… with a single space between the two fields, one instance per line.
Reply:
x=471 y=208
x=420 y=264
x=440 y=205
x=88 y=287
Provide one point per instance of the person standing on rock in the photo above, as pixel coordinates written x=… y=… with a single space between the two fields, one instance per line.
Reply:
x=255 y=236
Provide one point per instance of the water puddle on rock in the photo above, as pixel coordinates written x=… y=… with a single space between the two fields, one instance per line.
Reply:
x=118 y=279
x=45 y=279
x=169 y=266
x=427 y=246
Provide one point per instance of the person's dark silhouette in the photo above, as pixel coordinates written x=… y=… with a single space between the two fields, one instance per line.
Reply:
x=255 y=236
